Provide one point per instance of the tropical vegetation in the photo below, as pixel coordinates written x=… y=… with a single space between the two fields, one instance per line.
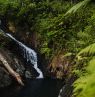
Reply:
x=65 y=26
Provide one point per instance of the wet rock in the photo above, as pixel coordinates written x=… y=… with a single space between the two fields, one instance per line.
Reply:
x=27 y=74
x=5 y=77
x=67 y=89
x=13 y=55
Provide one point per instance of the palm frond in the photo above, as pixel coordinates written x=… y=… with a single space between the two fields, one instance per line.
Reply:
x=77 y=6
x=88 y=51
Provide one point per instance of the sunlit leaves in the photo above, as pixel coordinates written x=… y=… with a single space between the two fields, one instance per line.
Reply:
x=77 y=6
x=85 y=85
x=88 y=51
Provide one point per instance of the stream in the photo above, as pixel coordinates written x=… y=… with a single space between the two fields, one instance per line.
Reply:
x=29 y=54
x=38 y=87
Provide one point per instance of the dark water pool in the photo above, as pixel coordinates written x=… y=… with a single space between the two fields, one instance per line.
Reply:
x=34 y=88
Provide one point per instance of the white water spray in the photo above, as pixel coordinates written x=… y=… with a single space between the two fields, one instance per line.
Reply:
x=29 y=54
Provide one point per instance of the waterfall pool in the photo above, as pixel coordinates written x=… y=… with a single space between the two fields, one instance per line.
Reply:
x=39 y=87
x=34 y=88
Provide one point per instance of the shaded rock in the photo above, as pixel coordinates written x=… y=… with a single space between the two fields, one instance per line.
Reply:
x=67 y=89
x=14 y=56
x=5 y=77
x=23 y=32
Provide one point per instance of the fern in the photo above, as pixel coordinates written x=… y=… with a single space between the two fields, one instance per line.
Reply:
x=85 y=85
x=88 y=51
x=76 y=7
x=91 y=66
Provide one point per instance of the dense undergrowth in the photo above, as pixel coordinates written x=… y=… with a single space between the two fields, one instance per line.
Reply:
x=60 y=30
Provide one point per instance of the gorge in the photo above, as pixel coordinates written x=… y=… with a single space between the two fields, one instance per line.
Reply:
x=49 y=45
x=36 y=87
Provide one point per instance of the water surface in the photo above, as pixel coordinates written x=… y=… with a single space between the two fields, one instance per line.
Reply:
x=34 y=88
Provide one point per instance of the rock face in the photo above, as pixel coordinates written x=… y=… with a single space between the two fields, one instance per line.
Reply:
x=67 y=89
x=9 y=51
x=5 y=77
x=12 y=54
x=24 y=33
x=5 y=80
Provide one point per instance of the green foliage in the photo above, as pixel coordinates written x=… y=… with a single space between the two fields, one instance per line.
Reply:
x=84 y=86
x=77 y=6
x=59 y=28
x=60 y=25
x=53 y=23
x=89 y=51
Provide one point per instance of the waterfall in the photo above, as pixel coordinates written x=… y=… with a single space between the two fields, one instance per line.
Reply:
x=29 y=54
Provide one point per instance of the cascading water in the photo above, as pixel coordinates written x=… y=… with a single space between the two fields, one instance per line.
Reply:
x=29 y=54
x=34 y=87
